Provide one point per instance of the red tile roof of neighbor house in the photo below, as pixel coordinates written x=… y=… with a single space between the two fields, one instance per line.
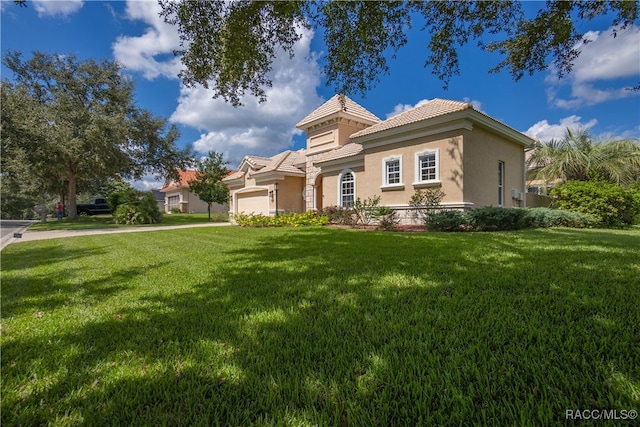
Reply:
x=184 y=177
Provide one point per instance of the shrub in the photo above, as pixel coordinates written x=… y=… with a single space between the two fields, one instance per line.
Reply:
x=175 y=210
x=366 y=210
x=611 y=205
x=387 y=218
x=491 y=218
x=546 y=217
x=143 y=211
x=449 y=221
x=425 y=203
x=287 y=219
x=339 y=215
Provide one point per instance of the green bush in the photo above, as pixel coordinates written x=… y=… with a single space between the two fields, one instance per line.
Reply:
x=143 y=211
x=611 y=206
x=449 y=221
x=366 y=210
x=425 y=203
x=287 y=219
x=339 y=215
x=491 y=218
x=388 y=218
x=546 y=217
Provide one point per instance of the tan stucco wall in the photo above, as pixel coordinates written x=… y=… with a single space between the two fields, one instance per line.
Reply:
x=193 y=203
x=330 y=185
x=331 y=135
x=449 y=146
x=482 y=152
x=289 y=195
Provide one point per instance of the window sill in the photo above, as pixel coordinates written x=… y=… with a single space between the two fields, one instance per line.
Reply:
x=423 y=184
x=392 y=187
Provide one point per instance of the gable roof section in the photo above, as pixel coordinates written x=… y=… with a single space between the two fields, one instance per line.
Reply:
x=184 y=176
x=347 y=150
x=288 y=162
x=338 y=105
x=435 y=112
x=434 y=108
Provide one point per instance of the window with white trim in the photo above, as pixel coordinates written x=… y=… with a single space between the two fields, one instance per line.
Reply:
x=347 y=189
x=427 y=167
x=392 y=171
x=500 y=183
x=173 y=202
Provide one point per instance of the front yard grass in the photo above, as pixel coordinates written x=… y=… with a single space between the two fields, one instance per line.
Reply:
x=320 y=326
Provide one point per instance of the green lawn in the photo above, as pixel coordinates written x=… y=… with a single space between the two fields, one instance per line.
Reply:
x=106 y=221
x=320 y=326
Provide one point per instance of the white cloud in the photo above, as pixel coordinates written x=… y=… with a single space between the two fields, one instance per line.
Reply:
x=543 y=131
x=53 y=8
x=401 y=108
x=160 y=39
x=147 y=183
x=603 y=58
x=255 y=128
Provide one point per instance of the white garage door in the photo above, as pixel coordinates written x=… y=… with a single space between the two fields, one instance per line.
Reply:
x=254 y=202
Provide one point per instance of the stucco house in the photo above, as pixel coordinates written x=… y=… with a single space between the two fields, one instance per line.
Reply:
x=473 y=158
x=178 y=196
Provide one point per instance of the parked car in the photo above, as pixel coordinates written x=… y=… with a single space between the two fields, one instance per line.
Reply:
x=100 y=206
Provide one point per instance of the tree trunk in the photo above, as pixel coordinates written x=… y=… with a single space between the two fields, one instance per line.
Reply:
x=73 y=211
x=209 y=210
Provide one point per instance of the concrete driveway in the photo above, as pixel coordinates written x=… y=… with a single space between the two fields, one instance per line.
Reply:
x=29 y=235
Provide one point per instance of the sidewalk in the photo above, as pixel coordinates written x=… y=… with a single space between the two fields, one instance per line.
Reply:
x=28 y=235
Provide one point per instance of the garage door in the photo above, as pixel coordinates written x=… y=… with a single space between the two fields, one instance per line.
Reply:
x=255 y=201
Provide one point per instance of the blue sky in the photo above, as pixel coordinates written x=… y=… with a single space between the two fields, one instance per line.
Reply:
x=593 y=96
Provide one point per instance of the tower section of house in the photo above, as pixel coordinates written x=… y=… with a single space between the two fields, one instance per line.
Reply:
x=328 y=128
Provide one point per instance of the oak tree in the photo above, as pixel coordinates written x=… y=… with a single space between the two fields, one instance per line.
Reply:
x=229 y=47
x=74 y=122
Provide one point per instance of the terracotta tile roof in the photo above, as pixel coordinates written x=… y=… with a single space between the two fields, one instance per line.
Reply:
x=183 y=181
x=334 y=105
x=346 y=150
x=434 y=108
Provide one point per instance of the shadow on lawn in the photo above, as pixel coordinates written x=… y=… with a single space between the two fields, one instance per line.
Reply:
x=348 y=327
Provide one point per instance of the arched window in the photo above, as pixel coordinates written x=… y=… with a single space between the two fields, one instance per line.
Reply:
x=347 y=188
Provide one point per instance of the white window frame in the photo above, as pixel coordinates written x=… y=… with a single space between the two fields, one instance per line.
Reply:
x=418 y=175
x=500 y=183
x=385 y=173
x=340 y=176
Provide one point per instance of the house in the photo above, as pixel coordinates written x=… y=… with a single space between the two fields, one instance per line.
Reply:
x=177 y=196
x=473 y=158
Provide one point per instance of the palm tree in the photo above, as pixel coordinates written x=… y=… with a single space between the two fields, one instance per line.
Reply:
x=579 y=157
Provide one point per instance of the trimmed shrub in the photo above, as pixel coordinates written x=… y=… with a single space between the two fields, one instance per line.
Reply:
x=546 y=217
x=611 y=206
x=287 y=219
x=490 y=218
x=449 y=221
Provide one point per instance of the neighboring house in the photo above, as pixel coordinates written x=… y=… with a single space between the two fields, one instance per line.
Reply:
x=159 y=196
x=177 y=196
x=474 y=159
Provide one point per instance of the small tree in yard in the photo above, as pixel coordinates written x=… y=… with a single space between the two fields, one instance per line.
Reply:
x=208 y=183
x=424 y=203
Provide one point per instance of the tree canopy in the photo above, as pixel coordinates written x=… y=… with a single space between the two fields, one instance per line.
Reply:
x=208 y=183
x=229 y=47
x=72 y=123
